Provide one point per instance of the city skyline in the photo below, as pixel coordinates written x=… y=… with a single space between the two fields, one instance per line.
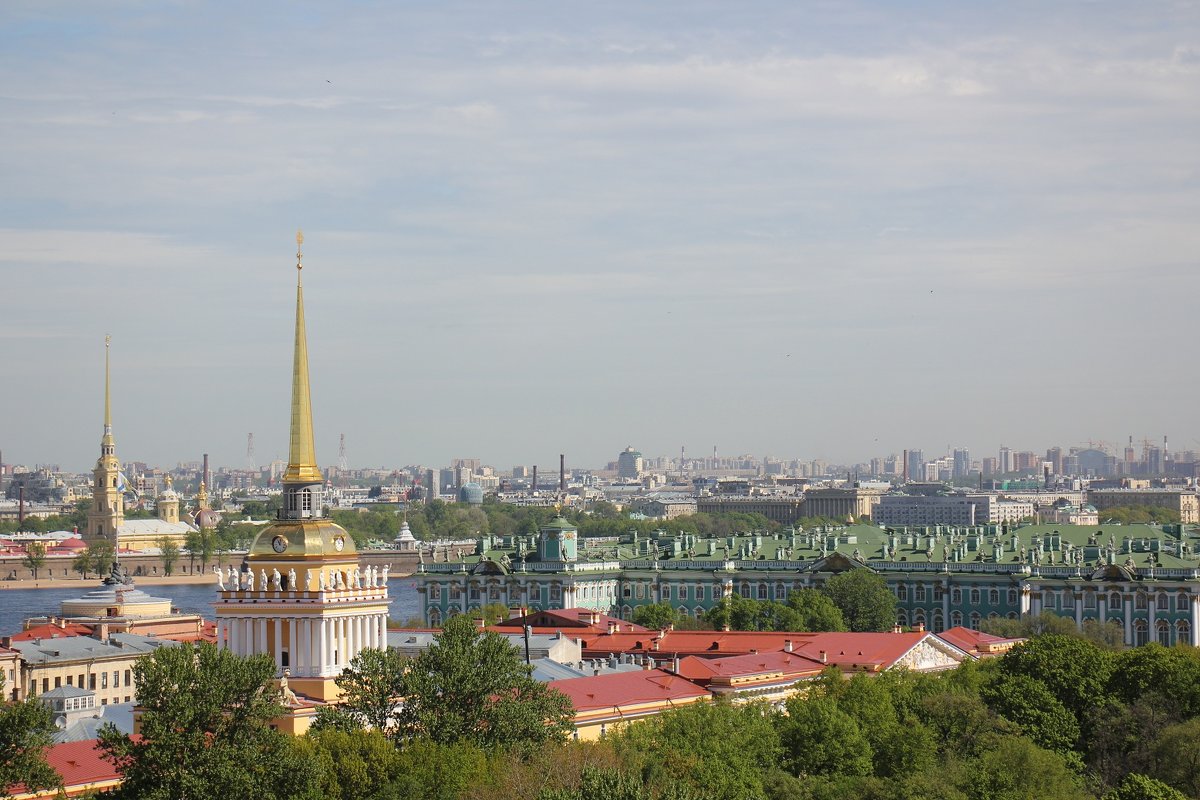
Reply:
x=826 y=232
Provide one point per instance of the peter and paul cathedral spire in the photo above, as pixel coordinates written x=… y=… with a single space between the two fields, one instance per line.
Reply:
x=107 y=513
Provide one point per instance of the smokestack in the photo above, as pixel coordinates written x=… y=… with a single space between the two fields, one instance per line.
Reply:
x=562 y=472
x=21 y=505
x=533 y=486
x=205 y=476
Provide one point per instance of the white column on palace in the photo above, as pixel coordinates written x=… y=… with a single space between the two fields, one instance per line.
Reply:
x=323 y=647
x=293 y=650
x=262 y=636
x=277 y=650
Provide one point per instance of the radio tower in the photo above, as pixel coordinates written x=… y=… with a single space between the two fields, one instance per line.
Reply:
x=250 y=452
x=342 y=453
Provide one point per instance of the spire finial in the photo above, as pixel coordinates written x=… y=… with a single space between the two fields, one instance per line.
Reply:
x=107 y=393
x=302 y=458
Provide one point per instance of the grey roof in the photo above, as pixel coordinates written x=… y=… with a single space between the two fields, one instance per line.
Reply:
x=77 y=648
x=65 y=692
x=118 y=714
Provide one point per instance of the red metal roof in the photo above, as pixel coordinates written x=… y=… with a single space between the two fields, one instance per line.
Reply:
x=81 y=766
x=627 y=689
x=52 y=632
x=704 y=670
x=574 y=618
x=977 y=643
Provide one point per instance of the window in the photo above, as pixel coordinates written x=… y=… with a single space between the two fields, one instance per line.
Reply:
x=1089 y=599
x=918 y=616
x=116 y=679
x=435 y=591
x=974 y=620
x=920 y=593
x=1162 y=631
x=975 y=594
x=92 y=682
x=57 y=683
x=1183 y=632
x=473 y=593
x=902 y=592
x=762 y=591
x=627 y=591
x=956 y=596
x=955 y=619
x=744 y=589
x=103 y=680
x=994 y=597
x=1140 y=632
x=1012 y=597
x=1140 y=601
x=70 y=680
x=1114 y=601
x=1068 y=599
x=1163 y=601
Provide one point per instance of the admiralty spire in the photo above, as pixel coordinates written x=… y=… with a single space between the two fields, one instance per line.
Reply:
x=302 y=597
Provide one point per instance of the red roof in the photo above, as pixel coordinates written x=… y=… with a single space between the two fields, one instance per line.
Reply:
x=627 y=689
x=52 y=632
x=704 y=670
x=80 y=765
x=977 y=643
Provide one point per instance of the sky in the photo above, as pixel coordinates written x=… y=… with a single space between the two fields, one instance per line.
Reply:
x=805 y=229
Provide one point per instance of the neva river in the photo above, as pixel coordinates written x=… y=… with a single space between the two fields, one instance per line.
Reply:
x=16 y=605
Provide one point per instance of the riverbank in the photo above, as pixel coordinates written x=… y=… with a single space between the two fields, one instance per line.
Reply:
x=93 y=581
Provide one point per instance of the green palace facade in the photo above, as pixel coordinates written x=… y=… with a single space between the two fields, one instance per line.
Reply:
x=1145 y=578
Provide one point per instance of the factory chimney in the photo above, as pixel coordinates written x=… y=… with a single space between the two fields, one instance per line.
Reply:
x=562 y=472
x=533 y=486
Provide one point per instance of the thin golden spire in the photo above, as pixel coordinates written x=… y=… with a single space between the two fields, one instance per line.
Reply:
x=302 y=454
x=108 y=437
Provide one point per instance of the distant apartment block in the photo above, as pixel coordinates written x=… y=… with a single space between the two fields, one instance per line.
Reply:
x=1184 y=502
x=786 y=510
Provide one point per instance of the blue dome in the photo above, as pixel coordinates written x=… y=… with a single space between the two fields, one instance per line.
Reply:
x=471 y=493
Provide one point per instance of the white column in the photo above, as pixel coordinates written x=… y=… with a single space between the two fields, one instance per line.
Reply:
x=293 y=650
x=1195 y=632
x=1152 y=606
x=1078 y=609
x=323 y=659
x=1128 y=619
x=277 y=650
x=232 y=626
x=262 y=636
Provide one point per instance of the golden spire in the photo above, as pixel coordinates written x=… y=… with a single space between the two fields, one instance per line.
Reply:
x=107 y=441
x=302 y=455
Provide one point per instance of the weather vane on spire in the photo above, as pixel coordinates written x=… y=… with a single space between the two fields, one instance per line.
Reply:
x=299 y=249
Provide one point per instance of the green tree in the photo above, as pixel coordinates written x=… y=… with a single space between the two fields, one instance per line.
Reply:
x=820 y=739
x=743 y=614
x=371 y=685
x=351 y=764
x=656 y=616
x=864 y=599
x=82 y=563
x=1017 y=769
x=432 y=771
x=101 y=554
x=205 y=731
x=817 y=612
x=1171 y=674
x=169 y=553
x=1141 y=787
x=26 y=730
x=471 y=686
x=716 y=750
x=493 y=613
x=1074 y=670
x=1177 y=756
x=34 y=558
x=1039 y=714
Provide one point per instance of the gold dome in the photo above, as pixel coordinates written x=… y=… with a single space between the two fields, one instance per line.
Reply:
x=302 y=540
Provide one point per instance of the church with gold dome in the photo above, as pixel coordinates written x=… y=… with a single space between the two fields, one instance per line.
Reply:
x=302 y=596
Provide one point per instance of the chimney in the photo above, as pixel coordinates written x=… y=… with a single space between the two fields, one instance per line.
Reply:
x=824 y=657
x=675 y=665
x=562 y=472
x=897 y=629
x=787 y=646
x=920 y=627
x=612 y=627
x=21 y=505
x=102 y=632
x=533 y=486
x=205 y=476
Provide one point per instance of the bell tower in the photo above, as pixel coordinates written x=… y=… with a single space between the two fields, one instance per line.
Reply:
x=108 y=484
x=303 y=598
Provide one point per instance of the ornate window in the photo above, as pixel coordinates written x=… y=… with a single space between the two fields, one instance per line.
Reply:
x=1164 y=601
x=956 y=596
x=762 y=591
x=1089 y=599
x=994 y=597
x=902 y=592
x=974 y=620
x=1162 y=632
x=1141 y=601
x=975 y=594
x=955 y=619
x=1140 y=632
x=1114 y=601
x=1012 y=597
x=920 y=593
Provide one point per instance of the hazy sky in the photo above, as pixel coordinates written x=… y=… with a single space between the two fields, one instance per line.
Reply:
x=825 y=230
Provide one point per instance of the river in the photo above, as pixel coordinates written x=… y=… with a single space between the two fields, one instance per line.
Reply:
x=16 y=605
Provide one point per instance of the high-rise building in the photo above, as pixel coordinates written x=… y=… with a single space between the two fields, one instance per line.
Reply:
x=1006 y=461
x=303 y=600
x=962 y=462
x=629 y=464
x=915 y=467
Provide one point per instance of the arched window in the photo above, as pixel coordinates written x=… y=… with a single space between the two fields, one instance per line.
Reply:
x=902 y=618
x=435 y=617
x=744 y=589
x=1011 y=615
x=919 y=594
x=938 y=622
x=1114 y=601
x=918 y=617
x=626 y=612
x=956 y=596
x=762 y=591
x=994 y=597
x=1012 y=597
x=902 y=592
x=780 y=592
x=993 y=615
x=955 y=619
x=1140 y=632
x=1183 y=632
x=1140 y=601
x=698 y=611
x=974 y=620
x=1089 y=599
x=974 y=597
x=1068 y=599
x=1162 y=631
x=1163 y=601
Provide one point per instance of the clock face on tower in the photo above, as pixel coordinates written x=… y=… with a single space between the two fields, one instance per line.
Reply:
x=279 y=544
x=338 y=543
